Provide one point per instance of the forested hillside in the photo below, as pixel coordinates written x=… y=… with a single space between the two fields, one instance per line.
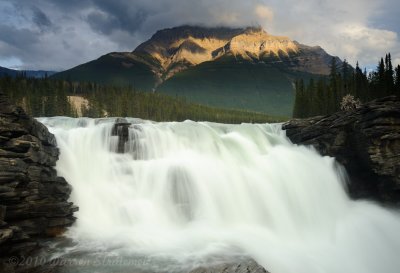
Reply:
x=324 y=95
x=48 y=97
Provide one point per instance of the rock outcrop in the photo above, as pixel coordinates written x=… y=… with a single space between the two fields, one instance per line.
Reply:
x=366 y=141
x=33 y=199
x=249 y=266
x=121 y=130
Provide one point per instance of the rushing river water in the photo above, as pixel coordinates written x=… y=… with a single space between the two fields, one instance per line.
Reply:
x=192 y=192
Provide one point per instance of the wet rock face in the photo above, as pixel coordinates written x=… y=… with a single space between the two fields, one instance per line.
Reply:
x=366 y=141
x=33 y=199
x=121 y=130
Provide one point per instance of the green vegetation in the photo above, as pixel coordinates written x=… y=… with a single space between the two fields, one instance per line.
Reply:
x=235 y=83
x=49 y=97
x=229 y=82
x=323 y=96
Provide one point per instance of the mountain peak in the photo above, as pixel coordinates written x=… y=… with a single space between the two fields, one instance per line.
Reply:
x=256 y=43
x=184 y=46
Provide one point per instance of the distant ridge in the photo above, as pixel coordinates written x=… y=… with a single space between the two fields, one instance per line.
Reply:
x=29 y=73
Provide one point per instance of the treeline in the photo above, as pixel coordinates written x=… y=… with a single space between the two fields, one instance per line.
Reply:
x=49 y=97
x=323 y=96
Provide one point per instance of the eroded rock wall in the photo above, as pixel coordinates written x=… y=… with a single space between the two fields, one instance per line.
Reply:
x=366 y=141
x=33 y=199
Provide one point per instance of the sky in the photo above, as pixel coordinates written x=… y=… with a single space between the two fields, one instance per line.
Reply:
x=60 y=34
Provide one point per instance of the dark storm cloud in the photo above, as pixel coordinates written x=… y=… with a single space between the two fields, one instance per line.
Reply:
x=102 y=22
x=18 y=38
x=119 y=15
x=40 y=18
x=58 y=34
x=106 y=22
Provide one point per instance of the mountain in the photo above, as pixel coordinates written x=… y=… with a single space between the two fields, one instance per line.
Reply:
x=29 y=73
x=39 y=73
x=7 y=72
x=243 y=68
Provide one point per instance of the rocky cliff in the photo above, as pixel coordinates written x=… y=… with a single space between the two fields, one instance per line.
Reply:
x=33 y=199
x=366 y=141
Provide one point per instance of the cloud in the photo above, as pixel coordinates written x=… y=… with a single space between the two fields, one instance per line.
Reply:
x=59 y=34
x=120 y=15
x=363 y=42
x=40 y=18
x=102 y=22
x=354 y=30
x=264 y=13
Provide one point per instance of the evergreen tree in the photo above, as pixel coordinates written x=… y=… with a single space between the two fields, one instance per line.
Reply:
x=325 y=99
x=311 y=99
x=380 y=88
x=346 y=79
x=320 y=100
x=299 y=104
x=389 y=73
x=397 y=81
x=334 y=88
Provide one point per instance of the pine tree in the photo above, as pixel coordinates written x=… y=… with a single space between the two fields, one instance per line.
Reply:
x=397 y=81
x=311 y=99
x=389 y=79
x=320 y=98
x=299 y=105
x=333 y=86
x=381 y=80
x=346 y=79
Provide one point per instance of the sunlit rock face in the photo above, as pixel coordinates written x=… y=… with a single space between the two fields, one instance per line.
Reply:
x=179 y=48
x=256 y=43
x=187 y=43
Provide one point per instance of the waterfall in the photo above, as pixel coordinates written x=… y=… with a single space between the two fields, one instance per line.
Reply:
x=192 y=190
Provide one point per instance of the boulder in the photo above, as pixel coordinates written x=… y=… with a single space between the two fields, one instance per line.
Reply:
x=121 y=130
x=366 y=141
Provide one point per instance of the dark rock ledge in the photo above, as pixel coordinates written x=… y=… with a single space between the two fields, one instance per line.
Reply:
x=33 y=199
x=366 y=141
x=121 y=130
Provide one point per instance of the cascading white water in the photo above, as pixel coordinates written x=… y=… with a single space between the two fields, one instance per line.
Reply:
x=191 y=190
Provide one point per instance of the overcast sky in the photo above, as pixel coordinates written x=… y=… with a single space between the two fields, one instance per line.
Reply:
x=60 y=34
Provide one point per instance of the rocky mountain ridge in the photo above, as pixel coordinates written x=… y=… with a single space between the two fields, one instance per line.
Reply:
x=190 y=46
x=173 y=50
x=179 y=48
